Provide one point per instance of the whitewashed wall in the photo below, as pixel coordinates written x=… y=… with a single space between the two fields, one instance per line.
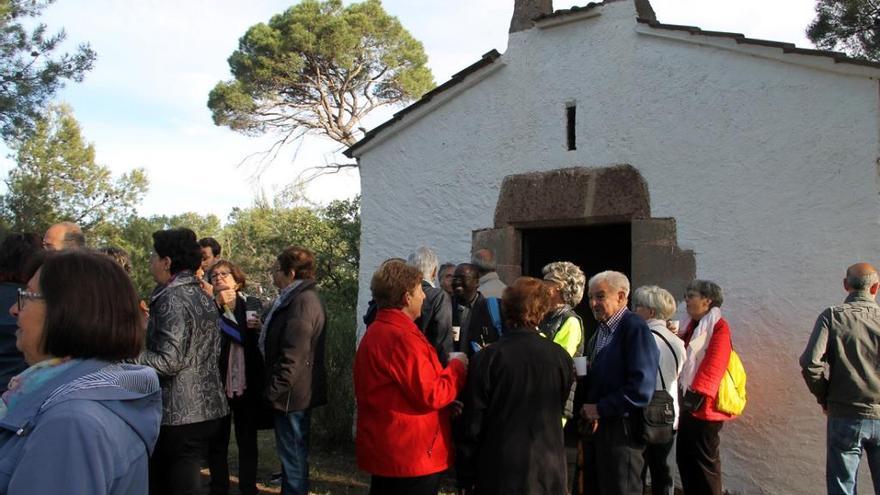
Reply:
x=768 y=166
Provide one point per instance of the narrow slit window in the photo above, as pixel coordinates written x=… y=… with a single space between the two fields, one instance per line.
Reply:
x=571 y=118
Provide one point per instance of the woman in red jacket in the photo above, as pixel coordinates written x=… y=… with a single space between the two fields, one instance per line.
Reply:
x=707 y=339
x=403 y=430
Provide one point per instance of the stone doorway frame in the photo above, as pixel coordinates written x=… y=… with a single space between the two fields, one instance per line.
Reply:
x=582 y=196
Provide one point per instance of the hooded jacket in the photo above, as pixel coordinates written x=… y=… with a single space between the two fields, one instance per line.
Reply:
x=90 y=429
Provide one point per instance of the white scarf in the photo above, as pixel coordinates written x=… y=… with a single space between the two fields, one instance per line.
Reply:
x=696 y=348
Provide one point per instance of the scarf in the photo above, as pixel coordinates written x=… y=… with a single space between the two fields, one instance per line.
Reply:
x=282 y=297
x=236 y=381
x=31 y=380
x=696 y=348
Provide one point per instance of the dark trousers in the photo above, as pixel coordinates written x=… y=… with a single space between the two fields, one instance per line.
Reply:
x=613 y=460
x=177 y=458
x=659 y=464
x=419 y=485
x=244 y=418
x=698 y=455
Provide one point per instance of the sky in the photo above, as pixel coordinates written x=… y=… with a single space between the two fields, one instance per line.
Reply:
x=144 y=103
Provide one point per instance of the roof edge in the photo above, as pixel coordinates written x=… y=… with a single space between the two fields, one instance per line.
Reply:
x=487 y=59
x=786 y=47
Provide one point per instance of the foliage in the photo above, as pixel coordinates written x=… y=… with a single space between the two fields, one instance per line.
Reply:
x=30 y=71
x=253 y=237
x=56 y=178
x=849 y=25
x=320 y=67
x=135 y=235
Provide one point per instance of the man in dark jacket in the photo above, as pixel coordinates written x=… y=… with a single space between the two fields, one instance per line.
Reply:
x=436 y=318
x=620 y=381
x=296 y=380
x=471 y=311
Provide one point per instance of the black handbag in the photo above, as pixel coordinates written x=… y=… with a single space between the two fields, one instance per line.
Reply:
x=658 y=417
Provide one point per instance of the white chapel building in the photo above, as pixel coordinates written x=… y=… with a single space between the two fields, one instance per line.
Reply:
x=604 y=137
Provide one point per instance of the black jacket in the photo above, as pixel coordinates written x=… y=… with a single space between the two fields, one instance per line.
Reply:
x=513 y=402
x=254 y=369
x=183 y=346
x=480 y=328
x=296 y=378
x=436 y=320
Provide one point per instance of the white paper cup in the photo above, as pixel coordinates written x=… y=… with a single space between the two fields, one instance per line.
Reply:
x=456 y=331
x=251 y=315
x=580 y=365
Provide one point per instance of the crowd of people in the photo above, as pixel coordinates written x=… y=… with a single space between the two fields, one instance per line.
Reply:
x=150 y=390
x=458 y=372
x=503 y=388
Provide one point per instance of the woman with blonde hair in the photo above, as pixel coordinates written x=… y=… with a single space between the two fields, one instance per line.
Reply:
x=656 y=306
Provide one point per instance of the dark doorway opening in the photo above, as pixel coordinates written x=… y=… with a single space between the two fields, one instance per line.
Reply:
x=593 y=248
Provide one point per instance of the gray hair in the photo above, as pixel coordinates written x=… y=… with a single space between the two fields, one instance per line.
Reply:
x=707 y=289
x=570 y=279
x=484 y=260
x=446 y=265
x=862 y=282
x=616 y=280
x=425 y=259
x=656 y=299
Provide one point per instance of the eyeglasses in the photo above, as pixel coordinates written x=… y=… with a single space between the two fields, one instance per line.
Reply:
x=216 y=275
x=24 y=296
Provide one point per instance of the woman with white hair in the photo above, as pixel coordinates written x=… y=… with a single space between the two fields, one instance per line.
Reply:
x=656 y=305
x=562 y=324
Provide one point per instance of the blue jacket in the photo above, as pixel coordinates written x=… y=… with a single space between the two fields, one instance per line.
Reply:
x=623 y=375
x=90 y=429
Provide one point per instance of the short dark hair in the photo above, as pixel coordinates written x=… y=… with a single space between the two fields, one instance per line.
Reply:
x=210 y=242
x=119 y=255
x=15 y=251
x=525 y=302
x=92 y=308
x=180 y=245
x=707 y=289
x=391 y=281
x=299 y=260
x=236 y=272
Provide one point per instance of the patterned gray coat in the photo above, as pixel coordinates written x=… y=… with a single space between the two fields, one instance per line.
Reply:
x=183 y=346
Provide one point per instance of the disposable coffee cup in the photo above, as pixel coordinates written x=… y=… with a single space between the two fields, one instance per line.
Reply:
x=672 y=325
x=456 y=331
x=251 y=315
x=580 y=365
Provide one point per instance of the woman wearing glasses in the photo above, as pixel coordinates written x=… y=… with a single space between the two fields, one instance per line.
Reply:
x=242 y=374
x=78 y=421
x=183 y=344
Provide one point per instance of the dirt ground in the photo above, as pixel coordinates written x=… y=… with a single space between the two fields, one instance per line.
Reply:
x=333 y=470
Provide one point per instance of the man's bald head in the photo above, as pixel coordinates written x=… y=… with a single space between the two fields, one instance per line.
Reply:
x=64 y=235
x=862 y=277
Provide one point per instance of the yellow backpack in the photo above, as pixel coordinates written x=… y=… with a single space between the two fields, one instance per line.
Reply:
x=732 y=389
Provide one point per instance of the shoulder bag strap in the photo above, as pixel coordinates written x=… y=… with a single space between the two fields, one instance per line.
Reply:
x=659 y=369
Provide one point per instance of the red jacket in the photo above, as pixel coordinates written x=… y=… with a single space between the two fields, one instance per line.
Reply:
x=402 y=391
x=711 y=369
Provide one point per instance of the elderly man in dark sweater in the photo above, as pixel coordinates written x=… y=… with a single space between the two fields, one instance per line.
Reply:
x=620 y=381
